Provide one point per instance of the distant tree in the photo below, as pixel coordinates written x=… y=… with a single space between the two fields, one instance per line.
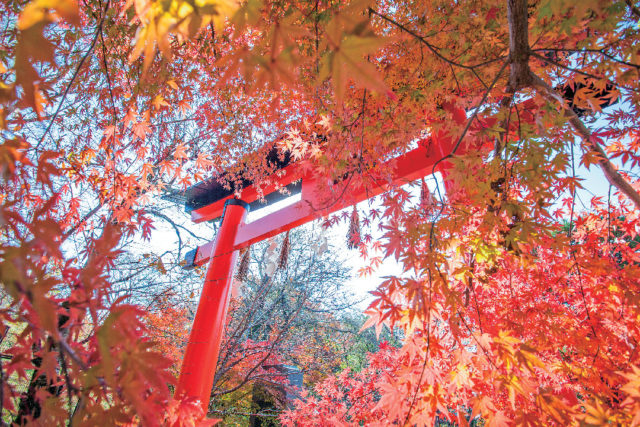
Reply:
x=297 y=312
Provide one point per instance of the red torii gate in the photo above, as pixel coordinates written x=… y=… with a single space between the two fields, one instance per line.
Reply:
x=209 y=201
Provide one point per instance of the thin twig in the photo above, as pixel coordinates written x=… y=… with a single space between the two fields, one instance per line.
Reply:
x=67 y=379
x=583 y=73
x=595 y=51
x=6 y=330
x=429 y=45
x=426 y=355
x=464 y=132
x=72 y=354
x=106 y=72
x=75 y=74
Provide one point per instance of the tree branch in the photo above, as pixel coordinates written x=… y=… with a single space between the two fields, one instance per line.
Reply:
x=633 y=8
x=429 y=45
x=594 y=51
x=75 y=75
x=522 y=76
x=106 y=73
x=609 y=170
x=518 y=44
x=469 y=123
x=583 y=73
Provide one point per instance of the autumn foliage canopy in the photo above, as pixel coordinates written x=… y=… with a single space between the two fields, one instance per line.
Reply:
x=519 y=302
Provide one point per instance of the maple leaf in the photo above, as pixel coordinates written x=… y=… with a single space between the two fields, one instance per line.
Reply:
x=325 y=122
x=109 y=132
x=180 y=152
x=394 y=244
x=141 y=129
x=498 y=419
x=12 y=153
x=32 y=46
x=160 y=20
x=131 y=116
x=345 y=60
x=391 y=398
x=203 y=161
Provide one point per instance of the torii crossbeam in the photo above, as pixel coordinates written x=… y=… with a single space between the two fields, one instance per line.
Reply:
x=208 y=201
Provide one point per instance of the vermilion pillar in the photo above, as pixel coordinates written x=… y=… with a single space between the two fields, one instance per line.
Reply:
x=201 y=355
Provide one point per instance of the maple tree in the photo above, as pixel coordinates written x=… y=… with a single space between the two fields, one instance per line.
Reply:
x=513 y=302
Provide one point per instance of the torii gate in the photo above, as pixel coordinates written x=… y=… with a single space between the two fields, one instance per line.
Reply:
x=209 y=200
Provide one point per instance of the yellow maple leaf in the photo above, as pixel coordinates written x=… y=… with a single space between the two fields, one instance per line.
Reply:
x=48 y=11
x=160 y=19
x=346 y=61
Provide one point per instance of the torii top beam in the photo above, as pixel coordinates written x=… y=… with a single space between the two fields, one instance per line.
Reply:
x=209 y=201
x=205 y=200
x=407 y=167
